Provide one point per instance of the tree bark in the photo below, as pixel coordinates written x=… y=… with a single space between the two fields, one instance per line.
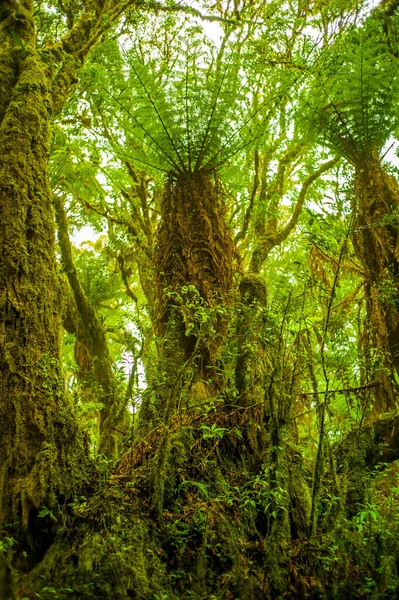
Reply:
x=41 y=448
x=40 y=444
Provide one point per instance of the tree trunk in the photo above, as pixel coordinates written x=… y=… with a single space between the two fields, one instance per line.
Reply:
x=41 y=448
x=375 y=241
x=195 y=258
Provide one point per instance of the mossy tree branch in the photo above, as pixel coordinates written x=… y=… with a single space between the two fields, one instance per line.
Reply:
x=90 y=333
x=274 y=237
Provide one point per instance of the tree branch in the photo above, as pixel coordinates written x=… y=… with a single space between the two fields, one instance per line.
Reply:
x=359 y=388
x=284 y=233
x=91 y=334
x=270 y=240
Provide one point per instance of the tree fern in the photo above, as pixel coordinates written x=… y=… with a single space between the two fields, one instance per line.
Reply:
x=192 y=116
x=352 y=102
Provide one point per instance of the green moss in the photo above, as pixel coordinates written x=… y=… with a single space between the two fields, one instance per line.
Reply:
x=111 y=554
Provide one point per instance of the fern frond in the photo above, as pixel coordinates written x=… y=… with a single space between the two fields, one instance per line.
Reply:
x=161 y=111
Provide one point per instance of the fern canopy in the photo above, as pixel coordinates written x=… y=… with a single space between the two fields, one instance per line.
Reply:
x=190 y=116
x=353 y=100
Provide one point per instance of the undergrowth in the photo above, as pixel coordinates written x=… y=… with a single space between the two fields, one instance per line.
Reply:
x=232 y=526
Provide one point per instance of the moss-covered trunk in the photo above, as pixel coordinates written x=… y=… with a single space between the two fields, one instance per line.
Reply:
x=375 y=240
x=41 y=450
x=195 y=261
